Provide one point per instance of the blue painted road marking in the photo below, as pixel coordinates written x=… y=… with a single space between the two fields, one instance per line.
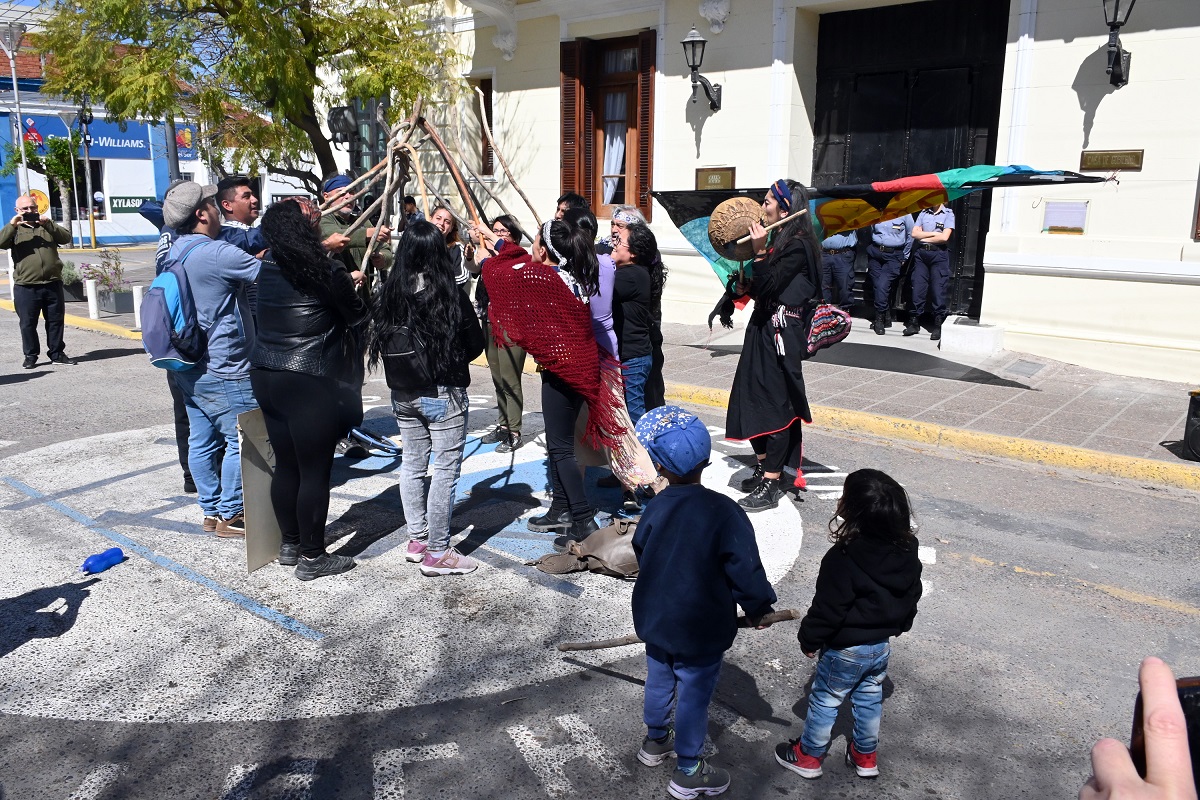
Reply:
x=129 y=545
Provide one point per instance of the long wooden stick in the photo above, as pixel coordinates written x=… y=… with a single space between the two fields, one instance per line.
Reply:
x=487 y=131
x=621 y=641
x=774 y=224
x=455 y=173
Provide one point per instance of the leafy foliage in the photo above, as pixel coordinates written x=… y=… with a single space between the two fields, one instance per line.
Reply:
x=250 y=72
x=56 y=161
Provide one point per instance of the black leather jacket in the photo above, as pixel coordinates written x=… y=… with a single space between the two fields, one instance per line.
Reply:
x=299 y=332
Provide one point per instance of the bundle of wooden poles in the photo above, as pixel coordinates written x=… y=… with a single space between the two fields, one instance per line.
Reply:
x=402 y=159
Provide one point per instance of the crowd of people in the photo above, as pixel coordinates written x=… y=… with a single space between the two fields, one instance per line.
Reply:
x=588 y=312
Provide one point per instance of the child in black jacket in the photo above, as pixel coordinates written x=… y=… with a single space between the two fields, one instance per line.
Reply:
x=867 y=592
x=698 y=561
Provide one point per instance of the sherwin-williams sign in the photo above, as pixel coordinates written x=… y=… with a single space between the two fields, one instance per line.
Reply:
x=127 y=205
x=108 y=140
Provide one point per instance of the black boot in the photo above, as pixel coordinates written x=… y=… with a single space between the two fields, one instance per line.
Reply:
x=550 y=521
x=887 y=319
x=766 y=495
x=878 y=325
x=576 y=533
x=751 y=483
x=937 y=329
x=912 y=327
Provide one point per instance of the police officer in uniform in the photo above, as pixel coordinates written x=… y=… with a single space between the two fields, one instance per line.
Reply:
x=891 y=242
x=837 y=269
x=931 y=268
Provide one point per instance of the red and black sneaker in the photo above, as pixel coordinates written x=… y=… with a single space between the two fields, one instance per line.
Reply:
x=791 y=756
x=865 y=764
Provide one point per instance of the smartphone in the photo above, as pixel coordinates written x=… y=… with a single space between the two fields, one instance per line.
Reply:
x=31 y=216
x=1189 y=698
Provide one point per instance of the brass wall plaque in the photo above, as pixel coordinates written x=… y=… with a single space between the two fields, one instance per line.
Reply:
x=715 y=178
x=1105 y=160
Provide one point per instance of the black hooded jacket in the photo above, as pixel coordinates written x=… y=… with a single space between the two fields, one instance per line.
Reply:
x=867 y=591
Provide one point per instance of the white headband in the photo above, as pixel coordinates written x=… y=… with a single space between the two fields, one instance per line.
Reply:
x=562 y=262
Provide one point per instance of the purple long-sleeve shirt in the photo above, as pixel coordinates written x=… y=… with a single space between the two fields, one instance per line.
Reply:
x=601 y=305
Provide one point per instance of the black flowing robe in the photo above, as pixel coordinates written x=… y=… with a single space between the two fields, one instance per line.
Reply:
x=768 y=389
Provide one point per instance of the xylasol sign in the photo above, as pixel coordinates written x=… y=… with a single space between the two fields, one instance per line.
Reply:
x=127 y=205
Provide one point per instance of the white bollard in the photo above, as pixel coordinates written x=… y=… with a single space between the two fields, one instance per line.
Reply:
x=89 y=288
x=12 y=287
x=137 y=308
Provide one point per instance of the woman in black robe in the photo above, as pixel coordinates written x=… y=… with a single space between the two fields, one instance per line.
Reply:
x=768 y=404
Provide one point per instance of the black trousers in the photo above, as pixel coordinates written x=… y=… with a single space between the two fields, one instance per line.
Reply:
x=884 y=269
x=778 y=447
x=183 y=428
x=656 y=388
x=41 y=300
x=560 y=407
x=304 y=420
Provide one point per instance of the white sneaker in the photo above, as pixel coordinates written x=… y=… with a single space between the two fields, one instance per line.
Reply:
x=451 y=562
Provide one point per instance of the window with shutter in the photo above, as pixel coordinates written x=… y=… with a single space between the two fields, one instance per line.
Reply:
x=607 y=120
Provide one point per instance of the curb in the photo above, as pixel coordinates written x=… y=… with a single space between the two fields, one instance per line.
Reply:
x=968 y=441
x=87 y=324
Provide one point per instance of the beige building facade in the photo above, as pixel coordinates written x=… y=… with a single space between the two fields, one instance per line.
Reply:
x=1104 y=275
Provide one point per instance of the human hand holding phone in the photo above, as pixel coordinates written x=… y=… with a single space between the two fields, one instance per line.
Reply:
x=1161 y=727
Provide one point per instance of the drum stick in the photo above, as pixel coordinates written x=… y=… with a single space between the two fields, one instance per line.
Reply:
x=775 y=224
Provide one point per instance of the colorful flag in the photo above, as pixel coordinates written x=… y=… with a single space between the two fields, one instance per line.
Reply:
x=836 y=209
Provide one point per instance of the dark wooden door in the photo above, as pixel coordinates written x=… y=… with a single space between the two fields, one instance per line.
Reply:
x=910 y=89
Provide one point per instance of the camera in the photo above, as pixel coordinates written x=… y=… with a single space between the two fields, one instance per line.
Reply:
x=31 y=216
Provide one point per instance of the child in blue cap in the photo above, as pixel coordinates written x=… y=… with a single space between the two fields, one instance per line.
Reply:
x=697 y=562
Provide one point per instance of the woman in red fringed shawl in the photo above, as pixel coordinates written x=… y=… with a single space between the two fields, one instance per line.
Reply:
x=540 y=302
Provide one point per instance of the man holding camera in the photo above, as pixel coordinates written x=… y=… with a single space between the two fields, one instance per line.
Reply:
x=37 y=279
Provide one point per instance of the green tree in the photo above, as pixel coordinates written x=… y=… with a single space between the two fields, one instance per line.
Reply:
x=252 y=74
x=56 y=161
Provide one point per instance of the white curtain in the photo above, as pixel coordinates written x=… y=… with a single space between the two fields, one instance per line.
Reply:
x=614 y=140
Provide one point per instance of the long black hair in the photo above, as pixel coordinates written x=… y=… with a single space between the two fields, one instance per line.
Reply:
x=419 y=294
x=296 y=248
x=575 y=244
x=874 y=506
x=799 y=225
x=510 y=224
x=643 y=246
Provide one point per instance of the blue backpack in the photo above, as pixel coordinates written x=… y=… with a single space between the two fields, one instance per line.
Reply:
x=171 y=331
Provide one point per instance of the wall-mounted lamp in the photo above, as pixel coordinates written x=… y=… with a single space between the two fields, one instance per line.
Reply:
x=342 y=125
x=1118 y=57
x=693 y=51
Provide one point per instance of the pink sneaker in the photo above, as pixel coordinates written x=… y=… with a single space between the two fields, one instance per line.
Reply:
x=452 y=562
x=416 y=550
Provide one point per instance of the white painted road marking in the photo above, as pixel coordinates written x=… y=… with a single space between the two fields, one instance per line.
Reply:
x=389 y=766
x=298 y=779
x=927 y=555
x=239 y=782
x=547 y=762
x=97 y=781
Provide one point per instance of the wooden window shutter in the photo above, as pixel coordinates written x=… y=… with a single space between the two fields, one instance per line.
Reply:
x=647 y=54
x=571 y=94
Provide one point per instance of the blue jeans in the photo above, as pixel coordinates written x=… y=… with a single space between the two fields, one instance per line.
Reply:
x=856 y=671
x=636 y=370
x=687 y=685
x=437 y=424
x=213 y=405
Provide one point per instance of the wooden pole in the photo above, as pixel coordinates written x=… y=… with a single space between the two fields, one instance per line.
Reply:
x=487 y=131
x=621 y=641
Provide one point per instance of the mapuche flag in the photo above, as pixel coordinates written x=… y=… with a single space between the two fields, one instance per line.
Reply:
x=847 y=207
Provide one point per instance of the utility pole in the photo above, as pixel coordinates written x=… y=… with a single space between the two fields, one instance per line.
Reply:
x=85 y=119
x=10 y=39
x=173 y=173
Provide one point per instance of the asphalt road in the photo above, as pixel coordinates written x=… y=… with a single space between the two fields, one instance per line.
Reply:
x=1043 y=592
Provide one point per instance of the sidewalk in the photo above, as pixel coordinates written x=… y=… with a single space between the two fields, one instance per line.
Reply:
x=1011 y=404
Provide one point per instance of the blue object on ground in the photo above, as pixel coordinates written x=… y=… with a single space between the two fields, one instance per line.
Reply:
x=102 y=561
